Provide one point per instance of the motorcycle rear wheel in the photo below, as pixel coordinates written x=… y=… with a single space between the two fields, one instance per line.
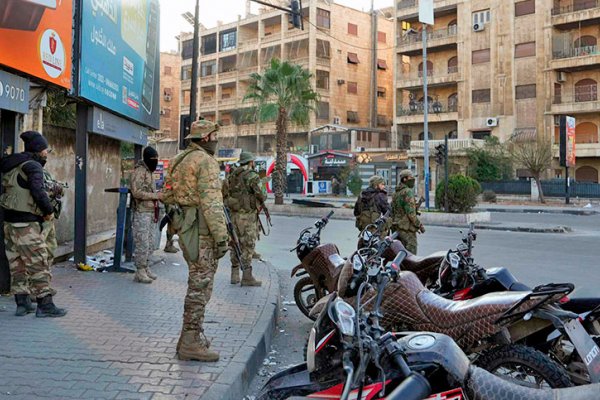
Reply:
x=524 y=366
x=306 y=295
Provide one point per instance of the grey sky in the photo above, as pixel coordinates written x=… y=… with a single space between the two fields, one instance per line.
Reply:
x=227 y=11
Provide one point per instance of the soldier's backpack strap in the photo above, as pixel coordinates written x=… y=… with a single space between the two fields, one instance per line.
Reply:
x=183 y=156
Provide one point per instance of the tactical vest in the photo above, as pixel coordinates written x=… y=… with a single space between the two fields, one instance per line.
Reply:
x=368 y=210
x=240 y=199
x=15 y=197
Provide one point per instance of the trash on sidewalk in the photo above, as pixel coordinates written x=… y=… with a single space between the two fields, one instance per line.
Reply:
x=289 y=303
x=97 y=262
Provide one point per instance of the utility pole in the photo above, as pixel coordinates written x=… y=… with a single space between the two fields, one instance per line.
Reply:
x=425 y=117
x=373 y=66
x=446 y=172
x=195 y=51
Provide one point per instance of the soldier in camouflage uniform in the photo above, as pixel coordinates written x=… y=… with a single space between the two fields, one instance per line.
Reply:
x=243 y=196
x=371 y=204
x=193 y=187
x=145 y=213
x=404 y=212
x=29 y=234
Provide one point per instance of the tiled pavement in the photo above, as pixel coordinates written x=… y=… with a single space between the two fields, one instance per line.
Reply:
x=118 y=339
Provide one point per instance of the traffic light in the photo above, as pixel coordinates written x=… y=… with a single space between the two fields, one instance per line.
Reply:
x=296 y=16
x=440 y=154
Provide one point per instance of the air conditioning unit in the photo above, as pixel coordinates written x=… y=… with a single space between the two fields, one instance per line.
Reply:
x=167 y=97
x=162 y=112
x=341 y=81
x=478 y=27
x=337 y=121
x=491 y=122
x=562 y=76
x=314 y=148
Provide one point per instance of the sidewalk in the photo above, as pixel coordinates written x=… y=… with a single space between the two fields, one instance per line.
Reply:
x=118 y=339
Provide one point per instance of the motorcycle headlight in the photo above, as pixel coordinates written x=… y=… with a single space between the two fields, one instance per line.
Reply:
x=454 y=260
x=357 y=263
x=345 y=317
x=366 y=235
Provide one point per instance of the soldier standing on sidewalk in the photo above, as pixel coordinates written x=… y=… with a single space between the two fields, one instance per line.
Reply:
x=145 y=213
x=243 y=196
x=29 y=235
x=372 y=204
x=404 y=212
x=193 y=185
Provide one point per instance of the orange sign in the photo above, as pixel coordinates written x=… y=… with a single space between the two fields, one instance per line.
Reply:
x=36 y=38
x=571 y=157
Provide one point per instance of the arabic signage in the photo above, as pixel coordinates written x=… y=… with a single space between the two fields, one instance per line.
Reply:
x=107 y=124
x=14 y=93
x=36 y=38
x=119 y=66
x=335 y=162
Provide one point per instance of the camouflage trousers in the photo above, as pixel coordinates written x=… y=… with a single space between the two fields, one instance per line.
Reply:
x=200 y=284
x=246 y=228
x=30 y=250
x=170 y=232
x=409 y=240
x=143 y=237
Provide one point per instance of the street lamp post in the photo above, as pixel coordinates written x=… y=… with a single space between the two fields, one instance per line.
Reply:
x=194 y=82
x=425 y=117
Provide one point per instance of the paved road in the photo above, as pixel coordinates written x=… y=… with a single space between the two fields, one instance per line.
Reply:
x=533 y=258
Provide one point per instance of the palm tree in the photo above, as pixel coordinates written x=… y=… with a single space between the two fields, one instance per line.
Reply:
x=283 y=93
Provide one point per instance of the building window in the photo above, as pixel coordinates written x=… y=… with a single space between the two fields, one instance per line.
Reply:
x=352 y=88
x=482 y=135
x=323 y=49
x=524 y=8
x=352 y=29
x=186 y=72
x=381 y=37
x=480 y=56
x=481 y=17
x=323 y=19
x=453 y=65
x=453 y=102
x=167 y=70
x=168 y=94
x=228 y=40
x=586 y=90
x=187 y=48
x=381 y=92
x=353 y=58
x=525 y=50
x=382 y=120
x=323 y=111
x=322 y=79
x=352 y=116
x=481 y=96
x=186 y=97
x=381 y=64
x=429 y=69
x=209 y=44
x=208 y=68
x=525 y=92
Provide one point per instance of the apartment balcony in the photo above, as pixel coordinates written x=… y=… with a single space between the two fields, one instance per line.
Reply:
x=413 y=113
x=456 y=147
x=246 y=45
x=583 y=150
x=207 y=80
x=207 y=106
x=227 y=103
x=580 y=100
x=296 y=33
x=274 y=37
x=323 y=62
x=576 y=58
x=415 y=79
x=409 y=9
x=411 y=44
x=571 y=13
x=230 y=75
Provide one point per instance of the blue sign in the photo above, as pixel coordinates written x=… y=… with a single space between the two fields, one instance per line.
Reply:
x=14 y=93
x=120 y=59
x=107 y=124
x=322 y=187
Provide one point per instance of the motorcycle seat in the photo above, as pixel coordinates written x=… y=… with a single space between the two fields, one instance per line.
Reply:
x=416 y=263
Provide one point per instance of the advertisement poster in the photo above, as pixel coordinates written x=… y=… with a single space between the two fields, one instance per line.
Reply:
x=120 y=63
x=36 y=38
x=570 y=142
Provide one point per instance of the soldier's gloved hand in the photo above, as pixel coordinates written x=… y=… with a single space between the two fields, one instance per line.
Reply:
x=222 y=248
x=421 y=229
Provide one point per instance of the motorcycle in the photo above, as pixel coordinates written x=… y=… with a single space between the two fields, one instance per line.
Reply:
x=350 y=356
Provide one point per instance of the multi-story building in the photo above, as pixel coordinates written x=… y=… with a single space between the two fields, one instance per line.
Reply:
x=500 y=68
x=170 y=89
x=335 y=46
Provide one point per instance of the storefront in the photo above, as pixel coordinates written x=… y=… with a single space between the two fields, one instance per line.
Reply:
x=385 y=164
x=325 y=165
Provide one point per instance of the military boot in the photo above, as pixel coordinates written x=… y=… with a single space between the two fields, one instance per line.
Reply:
x=46 y=308
x=170 y=247
x=141 y=276
x=248 y=279
x=256 y=256
x=190 y=348
x=150 y=274
x=24 y=305
x=235 y=275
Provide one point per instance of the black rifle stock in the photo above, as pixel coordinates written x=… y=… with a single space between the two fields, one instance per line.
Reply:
x=233 y=238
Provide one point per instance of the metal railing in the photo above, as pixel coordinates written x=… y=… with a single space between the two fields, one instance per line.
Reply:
x=576 y=52
x=431 y=74
x=412 y=38
x=552 y=188
x=579 y=94
x=575 y=6
x=453 y=144
x=418 y=108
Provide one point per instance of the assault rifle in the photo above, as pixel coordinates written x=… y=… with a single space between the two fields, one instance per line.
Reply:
x=233 y=238
x=55 y=191
x=263 y=208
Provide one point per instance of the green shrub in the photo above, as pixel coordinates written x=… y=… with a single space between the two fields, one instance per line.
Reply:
x=354 y=182
x=489 y=196
x=462 y=194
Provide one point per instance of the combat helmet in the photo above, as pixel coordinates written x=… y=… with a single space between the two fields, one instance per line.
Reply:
x=201 y=129
x=406 y=173
x=246 y=157
x=375 y=180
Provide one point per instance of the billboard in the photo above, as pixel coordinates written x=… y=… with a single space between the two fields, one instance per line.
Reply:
x=36 y=38
x=120 y=66
x=567 y=155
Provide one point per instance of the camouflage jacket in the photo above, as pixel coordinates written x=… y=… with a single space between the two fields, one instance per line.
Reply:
x=370 y=205
x=193 y=181
x=242 y=190
x=404 y=210
x=143 y=188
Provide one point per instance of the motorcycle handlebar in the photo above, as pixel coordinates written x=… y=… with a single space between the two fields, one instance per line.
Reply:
x=415 y=387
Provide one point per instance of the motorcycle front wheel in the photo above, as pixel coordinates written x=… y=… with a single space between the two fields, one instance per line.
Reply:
x=306 y=295
x=524 y=366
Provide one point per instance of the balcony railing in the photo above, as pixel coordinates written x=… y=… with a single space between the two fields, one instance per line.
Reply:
x=578 y=95
x=576 y=52
x=406 y=4
x=575 y=6
x=408 y=76
x=418 y=108
x=412 y=38
x=453 y=144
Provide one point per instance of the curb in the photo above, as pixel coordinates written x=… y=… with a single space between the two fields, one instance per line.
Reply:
x=539 y=211
x=233 y=383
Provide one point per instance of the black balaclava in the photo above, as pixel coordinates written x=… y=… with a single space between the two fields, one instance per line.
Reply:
x=150 y=157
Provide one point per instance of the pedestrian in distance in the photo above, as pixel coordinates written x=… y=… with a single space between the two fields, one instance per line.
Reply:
x=145 y=213
x=192 y=185
x=243 y=197
x=371 y=204
x=29 y=234
x=405 y=219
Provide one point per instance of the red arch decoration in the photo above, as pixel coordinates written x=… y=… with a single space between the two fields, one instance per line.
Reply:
x=296 y=161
